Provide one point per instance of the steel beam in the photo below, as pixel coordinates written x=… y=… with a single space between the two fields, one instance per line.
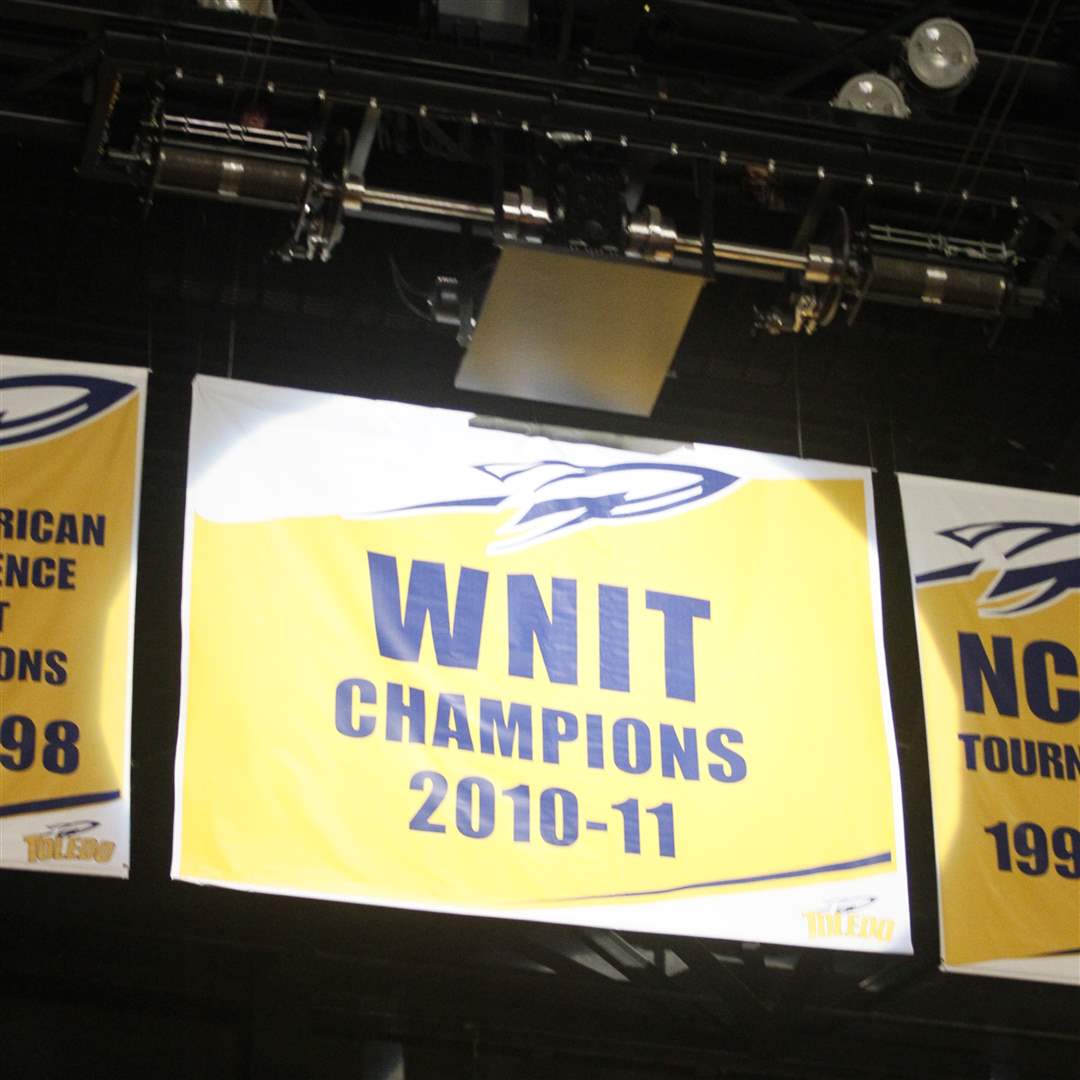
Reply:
x=738 y=129
x=505 y=90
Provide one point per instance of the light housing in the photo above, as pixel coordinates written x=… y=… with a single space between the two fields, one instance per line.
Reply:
x=259 y=9
x=941 y=54
x=874 y=94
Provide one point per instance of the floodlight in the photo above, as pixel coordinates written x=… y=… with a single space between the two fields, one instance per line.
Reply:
x=259 y=8
x=872 y=93
x=941 y=54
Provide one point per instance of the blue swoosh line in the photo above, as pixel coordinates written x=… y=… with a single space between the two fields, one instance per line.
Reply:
x=55 y=804
x=1050 y=530
x=962 y=570
x=1061 y=576
x=492 y=500
x=830 y=868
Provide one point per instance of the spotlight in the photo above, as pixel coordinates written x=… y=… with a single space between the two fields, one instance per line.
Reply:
x=872 y=93
x=260 y=9
x=941 y=54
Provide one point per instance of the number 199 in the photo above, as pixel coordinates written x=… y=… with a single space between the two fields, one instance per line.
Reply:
x=1031 y=848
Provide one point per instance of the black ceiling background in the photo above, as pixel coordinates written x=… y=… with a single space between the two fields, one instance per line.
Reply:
x=158 y=978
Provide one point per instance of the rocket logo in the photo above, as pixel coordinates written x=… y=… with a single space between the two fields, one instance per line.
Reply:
x=554 y=497
x=1038 y=562
x=33 y=407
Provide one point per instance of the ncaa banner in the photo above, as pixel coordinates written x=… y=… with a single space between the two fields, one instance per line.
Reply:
x=997 y=606
x=70 y=466
x=435 y=665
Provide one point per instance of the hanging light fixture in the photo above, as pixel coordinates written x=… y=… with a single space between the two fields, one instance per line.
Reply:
x=941 y=54
x=873 y=93
x=260 y=9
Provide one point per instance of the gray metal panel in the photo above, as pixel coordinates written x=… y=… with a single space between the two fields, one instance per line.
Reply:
x=578 y=331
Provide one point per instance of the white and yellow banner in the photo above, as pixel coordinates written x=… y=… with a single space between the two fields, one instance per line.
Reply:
x=433 y=664
x=70 y=464
x=997 y=604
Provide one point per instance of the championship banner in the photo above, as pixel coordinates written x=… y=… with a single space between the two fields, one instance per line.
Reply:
x=433 y=664
x=997 y=605
x=70 y=465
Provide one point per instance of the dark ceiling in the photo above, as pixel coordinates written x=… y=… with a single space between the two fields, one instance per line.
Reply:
x=156 y=978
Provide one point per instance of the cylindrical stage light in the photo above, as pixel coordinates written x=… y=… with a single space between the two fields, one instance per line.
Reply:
x=955 y=288
x=230 y=176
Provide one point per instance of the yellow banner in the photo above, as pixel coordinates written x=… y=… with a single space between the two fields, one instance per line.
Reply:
x=70 y=445
x=997 y=597
x=432 y=665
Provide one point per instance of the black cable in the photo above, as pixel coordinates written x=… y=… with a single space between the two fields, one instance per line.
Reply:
x=400 y=285
x=266 y=55
x=396 y=270
x=977 y=129
x=232 y=114
x=1009 y=104
x=798 y=393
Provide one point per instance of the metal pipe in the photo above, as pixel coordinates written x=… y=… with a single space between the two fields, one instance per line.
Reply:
x=745 y=253
x=358 y=196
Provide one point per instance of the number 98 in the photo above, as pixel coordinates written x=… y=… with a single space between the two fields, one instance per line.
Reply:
x=18 y=734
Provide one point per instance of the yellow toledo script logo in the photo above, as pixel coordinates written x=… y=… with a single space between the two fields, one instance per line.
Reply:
x=68 y=840
x=841 y=918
